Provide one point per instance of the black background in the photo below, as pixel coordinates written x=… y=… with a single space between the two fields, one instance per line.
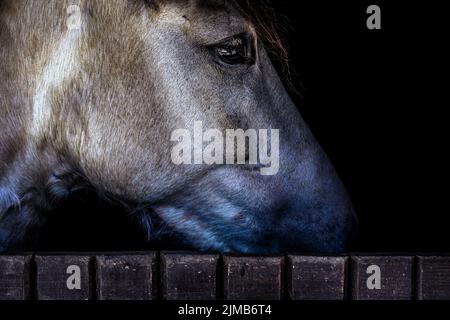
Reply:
x=369 y=98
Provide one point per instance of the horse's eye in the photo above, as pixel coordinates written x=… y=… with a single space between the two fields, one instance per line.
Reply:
x=236 y=50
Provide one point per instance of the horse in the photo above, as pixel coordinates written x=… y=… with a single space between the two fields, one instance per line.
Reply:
x=91 y=92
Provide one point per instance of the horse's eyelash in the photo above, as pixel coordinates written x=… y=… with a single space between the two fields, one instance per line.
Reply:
x=240 y=36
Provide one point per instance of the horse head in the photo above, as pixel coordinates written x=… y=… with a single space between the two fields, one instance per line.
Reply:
x=92 y=93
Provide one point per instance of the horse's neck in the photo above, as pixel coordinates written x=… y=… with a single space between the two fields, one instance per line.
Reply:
x=26 y=33
x=31 y=36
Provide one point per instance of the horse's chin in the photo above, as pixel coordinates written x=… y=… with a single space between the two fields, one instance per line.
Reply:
x=204 y=236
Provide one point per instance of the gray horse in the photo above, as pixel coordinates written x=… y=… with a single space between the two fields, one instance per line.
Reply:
x=91 y=92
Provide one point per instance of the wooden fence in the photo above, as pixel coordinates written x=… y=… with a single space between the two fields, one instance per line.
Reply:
x=193 y=276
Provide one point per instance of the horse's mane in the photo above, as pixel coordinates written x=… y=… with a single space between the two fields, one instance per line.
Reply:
x=269 y=27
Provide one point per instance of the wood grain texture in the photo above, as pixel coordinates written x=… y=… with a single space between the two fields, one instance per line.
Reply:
x=316 y=278
x=52 y=275
x=126 y=277
x=189 y=276
x=433 y=278
x=396 y=277
x=15 y=276
x=253 y=278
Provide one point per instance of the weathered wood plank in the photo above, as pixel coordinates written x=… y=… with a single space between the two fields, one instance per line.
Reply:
x=126 y=277
x=64 y=277
x=382 y=277
x=253 y=278
x=189 y=276
x=433 y=278
x=15 y=275
x=316 y=278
